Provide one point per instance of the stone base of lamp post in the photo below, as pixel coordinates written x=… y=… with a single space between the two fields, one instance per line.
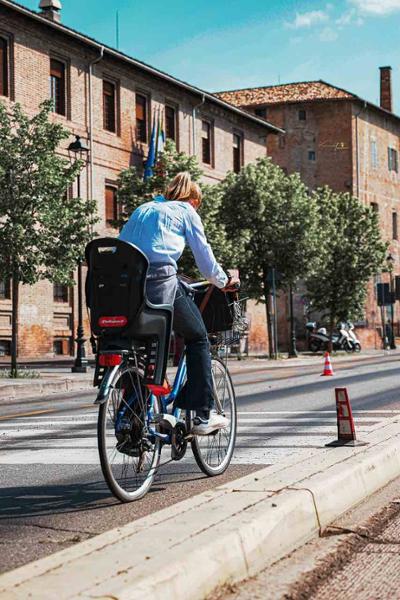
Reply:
x=81 y=369
x=81 y=364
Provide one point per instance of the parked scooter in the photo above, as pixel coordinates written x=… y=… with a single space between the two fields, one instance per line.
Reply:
x=318 y=339
x=354 y=339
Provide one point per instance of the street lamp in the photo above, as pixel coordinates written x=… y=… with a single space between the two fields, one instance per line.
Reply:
x=292 y=342
x=390 y=262
x=79 y=150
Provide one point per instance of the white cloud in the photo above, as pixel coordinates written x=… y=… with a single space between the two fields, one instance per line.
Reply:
x=308 y=19
x=328 y=35
x=346 y=18
x=376 y=7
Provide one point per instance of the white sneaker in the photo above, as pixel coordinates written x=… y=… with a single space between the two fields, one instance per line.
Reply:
x=210 y=425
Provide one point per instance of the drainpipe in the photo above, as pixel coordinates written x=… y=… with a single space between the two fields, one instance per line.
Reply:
x=194 y=124
x=91 y=157
x=358 y=149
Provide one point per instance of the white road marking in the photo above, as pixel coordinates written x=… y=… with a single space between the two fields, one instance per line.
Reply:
x=296 y=420
x=306 y=412
x=264 y=437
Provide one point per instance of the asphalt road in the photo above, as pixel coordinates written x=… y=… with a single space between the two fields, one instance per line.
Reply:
x=52 y=493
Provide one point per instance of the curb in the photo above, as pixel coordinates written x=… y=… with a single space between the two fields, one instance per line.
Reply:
x=34 y=388
x=222 y=536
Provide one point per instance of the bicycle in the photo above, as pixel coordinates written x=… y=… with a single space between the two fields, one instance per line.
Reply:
x=135 y=423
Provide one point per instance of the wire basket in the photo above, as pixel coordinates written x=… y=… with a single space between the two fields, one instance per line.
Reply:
x=232 y=336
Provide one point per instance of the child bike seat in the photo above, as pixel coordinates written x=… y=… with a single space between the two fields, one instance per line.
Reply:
x=121 y=317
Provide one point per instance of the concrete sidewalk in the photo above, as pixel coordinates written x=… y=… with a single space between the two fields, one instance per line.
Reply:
x=224 y=535
x=46 y=384
x=58 y=379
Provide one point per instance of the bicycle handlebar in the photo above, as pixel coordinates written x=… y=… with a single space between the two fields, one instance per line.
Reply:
x=199 y=284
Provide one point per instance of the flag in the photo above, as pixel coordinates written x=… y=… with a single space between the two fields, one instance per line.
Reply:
x=160 y=135
x=151 y=157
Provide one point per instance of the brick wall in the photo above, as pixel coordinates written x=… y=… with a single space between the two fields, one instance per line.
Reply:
x=32 y=45
x=341 y=133
x=326 y=131
x=375 y=183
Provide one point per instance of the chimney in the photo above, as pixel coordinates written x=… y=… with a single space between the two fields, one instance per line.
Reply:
x=51 y=9
x=386 y=88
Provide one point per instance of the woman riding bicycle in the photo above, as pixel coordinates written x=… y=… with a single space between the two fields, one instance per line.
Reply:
x=160 y=229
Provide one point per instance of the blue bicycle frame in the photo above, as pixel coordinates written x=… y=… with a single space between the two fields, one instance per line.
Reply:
x=168 y=400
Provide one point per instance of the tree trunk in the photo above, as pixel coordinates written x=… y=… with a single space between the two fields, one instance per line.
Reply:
x=267 y=298
x=15 y=323
x=331 y=324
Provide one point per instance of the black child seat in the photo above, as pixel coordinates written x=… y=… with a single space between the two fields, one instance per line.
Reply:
x=121 y=317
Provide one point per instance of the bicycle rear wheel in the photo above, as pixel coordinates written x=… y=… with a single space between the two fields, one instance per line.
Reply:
x=129 y=456
x=213 y=453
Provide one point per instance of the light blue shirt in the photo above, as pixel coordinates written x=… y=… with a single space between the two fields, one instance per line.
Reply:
x=161 y=229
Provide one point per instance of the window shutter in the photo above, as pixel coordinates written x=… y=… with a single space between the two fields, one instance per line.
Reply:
x=170 y=123
x=57 y=85
x=141 y=118
x=109 y=113
x=3 y=67
x=111 y=204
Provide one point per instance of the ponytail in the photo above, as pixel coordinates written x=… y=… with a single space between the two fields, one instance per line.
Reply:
x=180 y=187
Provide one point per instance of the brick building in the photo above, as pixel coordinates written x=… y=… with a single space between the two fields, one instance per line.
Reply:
x=333 y=137
x=108 y=99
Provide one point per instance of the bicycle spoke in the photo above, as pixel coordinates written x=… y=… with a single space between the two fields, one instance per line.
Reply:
x=213 y=452
x=129 y=457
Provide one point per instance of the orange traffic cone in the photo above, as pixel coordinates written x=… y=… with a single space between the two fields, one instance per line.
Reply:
x=345 y=421
x=327 y=366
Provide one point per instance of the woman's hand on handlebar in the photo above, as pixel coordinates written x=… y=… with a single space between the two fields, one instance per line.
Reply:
x=233 y=284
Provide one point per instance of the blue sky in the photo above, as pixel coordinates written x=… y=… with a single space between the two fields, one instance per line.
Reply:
x=225 y=44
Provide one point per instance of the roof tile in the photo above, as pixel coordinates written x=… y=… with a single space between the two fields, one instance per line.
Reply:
x=289 y=92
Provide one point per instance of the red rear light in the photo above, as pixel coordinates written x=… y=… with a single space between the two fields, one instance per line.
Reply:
x=116 y=321
x=110 y=360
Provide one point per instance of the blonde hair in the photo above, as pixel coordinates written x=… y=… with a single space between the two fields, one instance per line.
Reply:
x=195 y=193
x=180 y=187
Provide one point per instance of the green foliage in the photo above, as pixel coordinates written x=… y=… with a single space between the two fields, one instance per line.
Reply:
x=42 y=231
x=272 y=221
x=351 y=252
x=19 y=374
x=133 y=191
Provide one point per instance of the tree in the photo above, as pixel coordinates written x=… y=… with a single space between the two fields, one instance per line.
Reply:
x=272 y=221
x=42 y=230
x=133 y=191
x=351 y=253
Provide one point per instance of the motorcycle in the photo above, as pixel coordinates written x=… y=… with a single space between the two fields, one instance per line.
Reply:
x=318 y=339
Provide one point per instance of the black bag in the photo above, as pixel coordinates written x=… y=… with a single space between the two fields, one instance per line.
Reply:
x=218 y=312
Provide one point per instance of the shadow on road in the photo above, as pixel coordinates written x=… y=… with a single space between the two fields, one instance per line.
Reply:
x=70 y=497
x=30 y=500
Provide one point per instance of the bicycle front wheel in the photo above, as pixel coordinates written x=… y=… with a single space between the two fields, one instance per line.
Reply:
x=129 y=456
x=213 y=453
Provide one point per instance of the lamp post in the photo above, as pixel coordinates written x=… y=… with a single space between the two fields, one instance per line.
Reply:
x=292 y=343
x=79 y=150
x=390 y=262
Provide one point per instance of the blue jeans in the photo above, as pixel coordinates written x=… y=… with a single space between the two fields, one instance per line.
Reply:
x=197 y=394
